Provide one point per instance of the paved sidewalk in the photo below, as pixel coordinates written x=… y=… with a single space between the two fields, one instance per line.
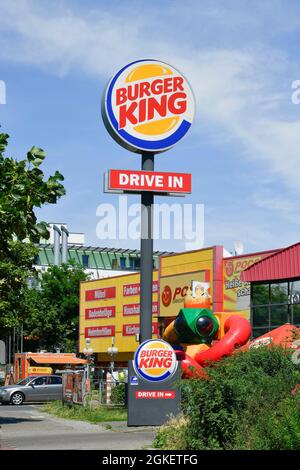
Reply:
x=27 y=427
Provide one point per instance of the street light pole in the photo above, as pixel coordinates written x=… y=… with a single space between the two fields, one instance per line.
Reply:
x=112 y=351
x=88 y=353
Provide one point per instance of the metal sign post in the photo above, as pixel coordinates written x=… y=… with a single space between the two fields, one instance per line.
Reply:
x=146 y=279
x=152 y=403
x=153 y=394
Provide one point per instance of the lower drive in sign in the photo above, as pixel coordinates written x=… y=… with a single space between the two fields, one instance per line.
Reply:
x=152 y=403
x=157 y=394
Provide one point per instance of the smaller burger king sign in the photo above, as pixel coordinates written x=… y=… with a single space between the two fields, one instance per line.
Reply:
x=148 y=106
x=155 y=361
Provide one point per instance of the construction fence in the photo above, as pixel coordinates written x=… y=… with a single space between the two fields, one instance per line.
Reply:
x=109 y=387
x=96 y=386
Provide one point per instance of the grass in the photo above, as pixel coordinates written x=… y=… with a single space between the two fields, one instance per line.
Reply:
x=98 y=414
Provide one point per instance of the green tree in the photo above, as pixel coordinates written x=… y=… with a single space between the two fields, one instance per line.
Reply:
x=15 y=268
x=23 y=187
x=53 y=309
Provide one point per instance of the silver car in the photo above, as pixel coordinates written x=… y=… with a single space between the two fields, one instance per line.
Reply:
x=33 y=388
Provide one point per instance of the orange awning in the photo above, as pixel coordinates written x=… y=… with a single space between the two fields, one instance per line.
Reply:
x=43 y=359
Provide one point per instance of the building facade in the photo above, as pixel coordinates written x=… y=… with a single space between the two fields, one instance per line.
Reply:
x=98 y=262
x=109 y=308
x=275 y=290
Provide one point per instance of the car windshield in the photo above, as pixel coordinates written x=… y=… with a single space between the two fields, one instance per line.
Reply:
x=25 y=381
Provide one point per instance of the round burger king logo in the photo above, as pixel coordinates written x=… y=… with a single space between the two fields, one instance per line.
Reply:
x=155 y=361
x=148 y=106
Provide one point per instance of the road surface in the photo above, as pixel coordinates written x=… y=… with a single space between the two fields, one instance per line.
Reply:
x=26 y=427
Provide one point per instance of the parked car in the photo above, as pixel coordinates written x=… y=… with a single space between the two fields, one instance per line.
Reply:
x=32 y=389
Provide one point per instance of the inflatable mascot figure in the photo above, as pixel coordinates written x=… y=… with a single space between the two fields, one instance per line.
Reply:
x=200 y=336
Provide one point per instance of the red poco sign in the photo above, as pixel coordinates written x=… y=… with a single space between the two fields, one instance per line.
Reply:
x=148 y=106
x=100 y=312
x=134 y=289
x=126 y=180
x=134 y=309
x=101 y=294
x=156 y=394
x=134 y=329
x=99 y=331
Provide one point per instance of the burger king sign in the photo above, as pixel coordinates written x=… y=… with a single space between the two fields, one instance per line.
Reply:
x=155 y=361
x=148 y=106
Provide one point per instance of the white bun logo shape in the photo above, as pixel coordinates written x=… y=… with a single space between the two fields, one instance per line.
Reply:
x=155 y=361
x=148 y=106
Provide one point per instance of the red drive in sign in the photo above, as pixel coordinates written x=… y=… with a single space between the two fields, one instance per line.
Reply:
x=155 y=394
x=134 y=309
x=134 y=329
x=100 y=312
x=134 y=289
x=125 y=180
x=101 y=294
x=99 y=331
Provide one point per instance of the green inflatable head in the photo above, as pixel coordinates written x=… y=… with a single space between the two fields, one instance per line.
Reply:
x=196 y=325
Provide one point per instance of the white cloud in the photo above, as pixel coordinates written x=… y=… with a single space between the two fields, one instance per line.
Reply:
x=238 y=92
x=252 y=228
x=267 y=199
x=63 y=41
x=243 y=90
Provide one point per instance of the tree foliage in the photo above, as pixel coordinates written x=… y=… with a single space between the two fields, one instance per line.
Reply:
x=52 y=311
x=15 y=268
x=248 y=402
x=23 y=187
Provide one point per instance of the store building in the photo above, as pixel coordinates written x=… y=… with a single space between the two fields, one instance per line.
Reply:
x=265 y=286
x=275 y=290
x=109 y=308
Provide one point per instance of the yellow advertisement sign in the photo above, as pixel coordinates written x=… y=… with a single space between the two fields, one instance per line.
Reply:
x=40 y=370
x=110 y=308
x=174 y=288
x=237 y=292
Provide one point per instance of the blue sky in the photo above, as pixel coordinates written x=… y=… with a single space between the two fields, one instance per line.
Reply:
x=240 y=58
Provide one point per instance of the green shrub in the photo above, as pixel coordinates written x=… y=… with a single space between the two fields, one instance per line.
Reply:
x=277 y=429
x=118 y=395
x=172 y=436
x=245 y=403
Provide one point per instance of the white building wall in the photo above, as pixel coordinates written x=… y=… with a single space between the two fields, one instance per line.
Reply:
x=73 y=239
x=93 y=272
